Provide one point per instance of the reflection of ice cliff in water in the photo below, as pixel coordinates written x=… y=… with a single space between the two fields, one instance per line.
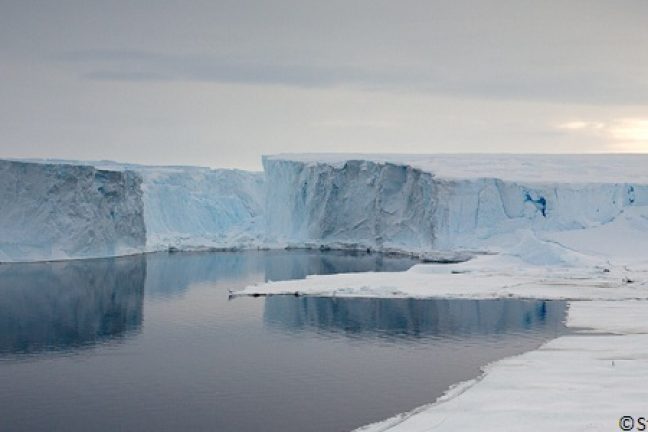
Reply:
x=53 y=306
x=297 y=266
x=171 y=275
x=412 y=317
x=64 y=305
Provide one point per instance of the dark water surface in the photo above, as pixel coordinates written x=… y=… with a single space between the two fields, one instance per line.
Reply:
x=152 y=343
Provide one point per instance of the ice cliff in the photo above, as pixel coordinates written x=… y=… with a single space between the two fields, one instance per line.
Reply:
x=445 y=203
x=359 y=204
x=199 y=208
x=420 y=204
x=59 y=211
x=54 y=210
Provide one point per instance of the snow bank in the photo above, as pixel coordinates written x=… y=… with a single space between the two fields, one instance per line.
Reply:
x=575 y=382
x=59 y=211
x=485 y=277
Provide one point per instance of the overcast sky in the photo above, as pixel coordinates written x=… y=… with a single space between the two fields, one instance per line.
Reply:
x=219 y=83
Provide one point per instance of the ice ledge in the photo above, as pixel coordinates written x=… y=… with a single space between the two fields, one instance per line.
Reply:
x=485 y=277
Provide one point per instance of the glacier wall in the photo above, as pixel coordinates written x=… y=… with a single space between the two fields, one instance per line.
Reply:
x=56 y=210
x=199 y=208
x=479 y=209
x=60 y=211
x=383 y=205
x=358 y=205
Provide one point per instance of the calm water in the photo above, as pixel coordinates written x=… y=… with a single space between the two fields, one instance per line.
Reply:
x=153 y=344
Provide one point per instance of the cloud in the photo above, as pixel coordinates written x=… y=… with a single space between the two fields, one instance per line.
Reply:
x=350 y=124
x=154 y=66
x=581 y=125
x=488 y=81
x=584 y=52
x=114 y=75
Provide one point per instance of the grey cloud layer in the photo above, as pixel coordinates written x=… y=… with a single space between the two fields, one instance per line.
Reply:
x=584 y=51
x=488 y=80
x=73 y=70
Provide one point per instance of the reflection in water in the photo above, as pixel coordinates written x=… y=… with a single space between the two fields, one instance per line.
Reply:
x=62 y=305
x=203 y=362
x=411 y=317
x=299 y=264
x=170 y=275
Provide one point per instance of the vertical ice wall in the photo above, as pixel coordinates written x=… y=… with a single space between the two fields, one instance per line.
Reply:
x=383 y=205
x=195 y=208
x=65 y=210
x=360 y=204
x=51 y=211
x=60 y=211
x=475 y=210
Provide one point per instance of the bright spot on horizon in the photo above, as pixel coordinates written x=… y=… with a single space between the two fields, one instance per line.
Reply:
x=630 y=130
x=577 y=125
x=625 y=134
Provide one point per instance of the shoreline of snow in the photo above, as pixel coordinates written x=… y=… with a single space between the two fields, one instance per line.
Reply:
x=582 y=381
x=484 y=277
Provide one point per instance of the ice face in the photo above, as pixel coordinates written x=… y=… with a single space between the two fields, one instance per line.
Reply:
x=383 y=205
x=358 y=205
x=193 y=208
x=58 y=211
x=421 y=204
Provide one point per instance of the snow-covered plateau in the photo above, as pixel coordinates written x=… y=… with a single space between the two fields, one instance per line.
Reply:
x=534 y=226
